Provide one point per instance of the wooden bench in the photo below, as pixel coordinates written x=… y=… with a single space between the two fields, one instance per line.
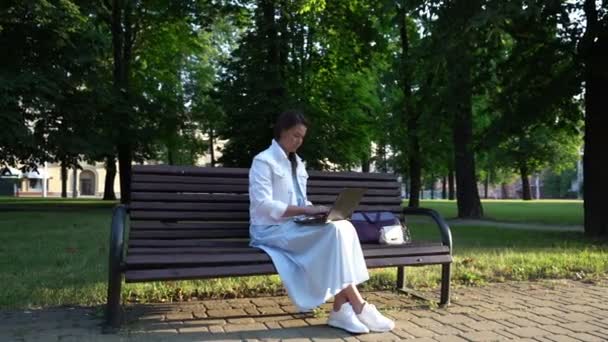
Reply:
x=192 y=222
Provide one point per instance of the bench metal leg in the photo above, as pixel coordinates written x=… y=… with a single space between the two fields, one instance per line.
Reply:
x=445 y=285
x=113 y=309
x=446 y=276
x=401 y=287
x=401 y=277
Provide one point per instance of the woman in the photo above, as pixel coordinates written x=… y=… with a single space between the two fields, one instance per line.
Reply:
x=314 y=262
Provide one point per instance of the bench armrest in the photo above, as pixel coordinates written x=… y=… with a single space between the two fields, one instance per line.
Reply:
x=444 y=229
x=117 y=238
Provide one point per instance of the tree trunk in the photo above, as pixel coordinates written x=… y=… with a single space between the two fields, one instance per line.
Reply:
x=365 y=164
x=451 y=183
x=64 y=180
x=170 y=156
x=444 y=190
x=365 y=160
x=486 y=184
x=211 y=147
x=122 y=40
x=409 y=113
x=469 y=204
x=75 y=182
x=381 y=162
x=108 y=188
x=594 y=51
x=124 y=166
x=504 y=190
x=270 y=32
x=525 y=183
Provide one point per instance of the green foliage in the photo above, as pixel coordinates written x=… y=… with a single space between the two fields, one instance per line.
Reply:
x=558 y=184
x=49 y=83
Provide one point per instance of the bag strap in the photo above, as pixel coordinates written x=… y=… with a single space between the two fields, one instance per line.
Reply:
x=367 y=217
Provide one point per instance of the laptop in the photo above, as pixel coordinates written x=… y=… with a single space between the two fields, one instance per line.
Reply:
x=342 y=209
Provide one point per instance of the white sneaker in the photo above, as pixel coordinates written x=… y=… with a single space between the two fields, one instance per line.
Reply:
x=374 y=320
x=346 y=319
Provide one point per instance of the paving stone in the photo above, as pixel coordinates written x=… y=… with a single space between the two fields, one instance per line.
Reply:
x=387 y=336
x=600 y=333
x=484 y=336
x=455 y=319
x=589 y=338
x=192 y=329
x=577 y=317
x=244 y=327
x=580 y=308
x=485 y=325
x=495 y=315
x=179 y=316
x=293 y=323
x=241 y=320
x=426 y=322
x=580 y=327
x=226 y=313
x=528 y=332
x=555 y=329
x=450 y=338
x=523 y=322
x=445 y=330
x=562 y=338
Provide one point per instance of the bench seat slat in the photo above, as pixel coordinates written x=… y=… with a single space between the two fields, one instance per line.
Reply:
x=236 y=249
x=268 y=268
x=253 y=255
x=132 y=276
x=239 y=242
x=186 y=243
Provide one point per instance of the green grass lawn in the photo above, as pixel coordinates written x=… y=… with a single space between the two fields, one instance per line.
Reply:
x=51 y=258
x=54 y=202
x=558 y=212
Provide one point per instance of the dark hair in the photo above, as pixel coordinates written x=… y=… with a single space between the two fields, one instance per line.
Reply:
x=287 y=120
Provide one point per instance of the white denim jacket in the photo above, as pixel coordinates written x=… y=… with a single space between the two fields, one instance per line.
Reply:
x=271 y=185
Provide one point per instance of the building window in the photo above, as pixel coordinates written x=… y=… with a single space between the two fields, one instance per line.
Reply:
x=87 y=183
x=35 y=184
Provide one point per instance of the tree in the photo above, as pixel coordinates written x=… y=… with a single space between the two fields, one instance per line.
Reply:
x=457 y=27
x=593 y=49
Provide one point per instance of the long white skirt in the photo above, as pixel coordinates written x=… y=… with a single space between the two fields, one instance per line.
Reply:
x=315 y=262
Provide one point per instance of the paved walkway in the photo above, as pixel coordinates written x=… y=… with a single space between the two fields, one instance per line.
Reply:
x=550 y=311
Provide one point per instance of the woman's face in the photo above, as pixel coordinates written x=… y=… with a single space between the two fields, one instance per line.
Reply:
x=291 y=139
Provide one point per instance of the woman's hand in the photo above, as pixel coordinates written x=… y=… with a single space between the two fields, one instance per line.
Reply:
x=315 y=210
x=310 y=210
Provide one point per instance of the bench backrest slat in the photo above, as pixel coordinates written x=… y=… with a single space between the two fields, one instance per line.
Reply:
x=178 y=203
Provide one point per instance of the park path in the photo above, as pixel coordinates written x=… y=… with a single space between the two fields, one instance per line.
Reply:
x=548 y=311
